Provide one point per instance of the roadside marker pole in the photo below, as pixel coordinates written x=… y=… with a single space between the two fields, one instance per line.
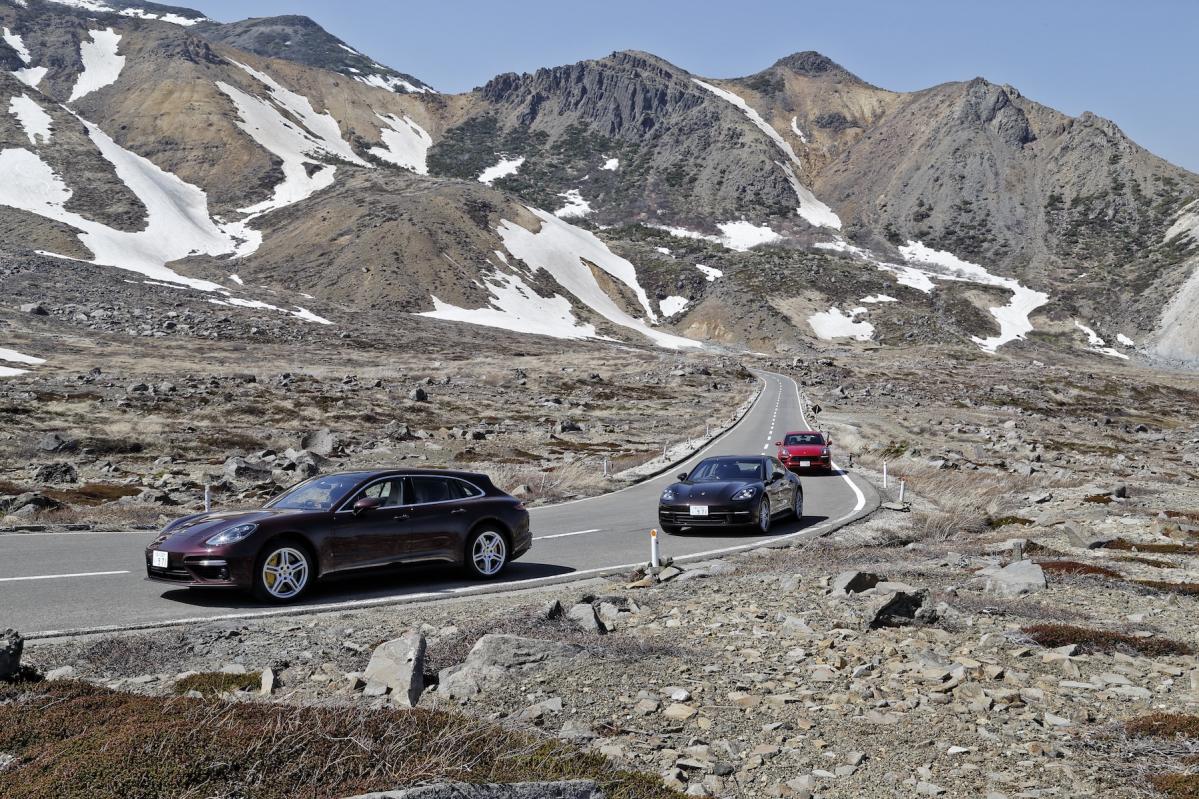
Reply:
x=902 y=486
x=605 y=467
x=655 y=556
x=884 y=474
x=665 y=446
x=207 y=497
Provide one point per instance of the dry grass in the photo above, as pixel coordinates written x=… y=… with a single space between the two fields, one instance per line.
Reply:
x=78 y=741
x=1090 y=640
x=1165 y=587
x=1125 y=545
x=1154 y=562
x=215 y=683
x=963 y=503
x=1176 y=786
x=1074 y=567
x=1163 y=725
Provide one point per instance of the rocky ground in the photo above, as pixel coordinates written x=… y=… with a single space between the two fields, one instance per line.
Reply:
x=1010 y=629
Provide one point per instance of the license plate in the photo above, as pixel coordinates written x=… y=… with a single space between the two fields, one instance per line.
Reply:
x=158 y=559
x=805 y=464
x=699 y=510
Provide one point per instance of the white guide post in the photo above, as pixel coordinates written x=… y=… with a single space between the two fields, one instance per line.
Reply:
x=655 y=555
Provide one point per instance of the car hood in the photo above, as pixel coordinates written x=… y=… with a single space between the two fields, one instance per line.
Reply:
x=803 y=450
x=202 y=526
x=701 y=493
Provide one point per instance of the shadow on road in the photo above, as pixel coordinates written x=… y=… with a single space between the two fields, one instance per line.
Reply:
x=377 y=585
x=750 y=533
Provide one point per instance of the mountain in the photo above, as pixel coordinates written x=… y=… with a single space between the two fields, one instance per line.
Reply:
x=265 y=164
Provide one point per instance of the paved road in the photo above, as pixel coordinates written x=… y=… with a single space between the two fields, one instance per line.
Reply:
x=56 y=582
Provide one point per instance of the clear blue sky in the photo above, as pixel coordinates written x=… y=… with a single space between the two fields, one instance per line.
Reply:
x=1136 y=63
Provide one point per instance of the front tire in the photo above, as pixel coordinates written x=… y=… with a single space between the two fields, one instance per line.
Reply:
x=284 y=572
x=764 y=517
x=486 y=554
x=797 y=504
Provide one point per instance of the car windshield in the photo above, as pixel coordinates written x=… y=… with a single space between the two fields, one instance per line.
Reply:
x=321 y=493
x=721 y=469
x=804 y=440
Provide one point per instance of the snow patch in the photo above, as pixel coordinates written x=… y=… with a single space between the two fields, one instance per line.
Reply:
x=506 y=167
x=1013 y=318
x=1095 y=342
x=140 y=13
x=834 y=323
x=576 y=207
x=673 y=305
x=392 y=83
x=795 y=129
x=812 y=210
x=406 y=144
x=516 y=307
x=299 y=313
x=568 y=253
x=1124 y=340
x=12 y=356
x=663 y=250
x=739 y=236
x=33 y=118
x=710 y=273
x=237 y=280
x=877 y=298
x=31 y=76
x=612 y=164
x=15 y=41
x=101 y=63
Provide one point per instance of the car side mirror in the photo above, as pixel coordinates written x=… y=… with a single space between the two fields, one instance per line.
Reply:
x=778 y=443
x=366 y=503
x=683 y=477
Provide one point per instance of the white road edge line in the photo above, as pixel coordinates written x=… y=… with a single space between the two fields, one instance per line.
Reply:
x=58 y=576
x=564 y=535
x=844 y=475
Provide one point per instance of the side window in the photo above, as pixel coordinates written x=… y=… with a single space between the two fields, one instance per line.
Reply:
x=432 y=489
x=464 y=490
x=389 y=491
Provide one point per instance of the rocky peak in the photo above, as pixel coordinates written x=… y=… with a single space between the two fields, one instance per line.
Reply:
x=986 y=105
x=810 y=62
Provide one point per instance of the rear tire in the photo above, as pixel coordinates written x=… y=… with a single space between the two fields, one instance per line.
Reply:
x=283 y=572
x=797 y=505
x=486 y=554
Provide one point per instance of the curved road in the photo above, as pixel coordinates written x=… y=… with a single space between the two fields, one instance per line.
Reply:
x=55 y=583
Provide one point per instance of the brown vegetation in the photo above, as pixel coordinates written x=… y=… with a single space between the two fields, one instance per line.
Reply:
x=1163 y=725
x=1090 y=640
x=1075 y=567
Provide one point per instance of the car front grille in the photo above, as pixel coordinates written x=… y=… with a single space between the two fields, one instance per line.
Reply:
x=717 y=516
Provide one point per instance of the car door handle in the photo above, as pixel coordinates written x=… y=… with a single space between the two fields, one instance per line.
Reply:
x=458 y=510
x=401 y=517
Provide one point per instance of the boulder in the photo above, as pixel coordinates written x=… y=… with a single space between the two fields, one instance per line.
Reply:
x=237 y=468
x=53 y=473
x=35 y=308
x=1015 y=579
x=569 y=426
x=11 y=646
x=573 y=789
x=399 y=664
x=854 y=582
x=583 y=615
x=496 y=657
x=899 y=609
x=323 y=442
x=418 y=395
x=56 y=442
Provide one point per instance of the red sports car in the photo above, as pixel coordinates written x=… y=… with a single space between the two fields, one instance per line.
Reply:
x=806 y=450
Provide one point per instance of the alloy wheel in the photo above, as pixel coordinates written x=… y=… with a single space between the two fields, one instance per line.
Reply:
x=285 y=573
x=489 y=553
x=764 y=515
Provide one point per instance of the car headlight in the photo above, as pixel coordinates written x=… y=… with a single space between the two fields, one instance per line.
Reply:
x=668 y=495
x=231 y=536
x=824 y=451
x=745 y=493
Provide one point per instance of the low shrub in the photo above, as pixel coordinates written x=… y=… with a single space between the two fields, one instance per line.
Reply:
x=1125 y=545
x=73 y=740
x=1177 y=786
x=1090 y=640
x=214 y=683
x=1163 y=725
x=1165 y=587
x=1076 y=567
x=1154 y=562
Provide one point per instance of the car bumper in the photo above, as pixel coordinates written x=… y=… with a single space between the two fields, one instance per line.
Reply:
x=522 y=537
x=195 y=570
x=824 y=462
x=718 y=516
